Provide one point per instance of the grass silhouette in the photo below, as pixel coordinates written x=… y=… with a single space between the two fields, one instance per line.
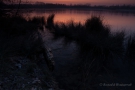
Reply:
x=130 y=50
x=20 y=38
x=98 y=47
x=19 y=35
x=93 y=36
x=99 y=50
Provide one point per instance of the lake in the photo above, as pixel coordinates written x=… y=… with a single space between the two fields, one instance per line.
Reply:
x=117 y=20
x=67 y=69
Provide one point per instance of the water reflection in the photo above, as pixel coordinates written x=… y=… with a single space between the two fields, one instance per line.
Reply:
x=118 y=20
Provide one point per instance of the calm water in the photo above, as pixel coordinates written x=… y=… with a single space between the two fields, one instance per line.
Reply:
x=117 y=20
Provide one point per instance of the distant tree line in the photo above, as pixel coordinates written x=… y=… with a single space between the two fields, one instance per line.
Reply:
x=74 y=6
x=9 y=4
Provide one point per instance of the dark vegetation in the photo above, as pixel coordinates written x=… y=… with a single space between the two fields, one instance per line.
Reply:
x=23 y=53
x=100 y=54
x=131 y=49
x=100 y=51
x=20 y=42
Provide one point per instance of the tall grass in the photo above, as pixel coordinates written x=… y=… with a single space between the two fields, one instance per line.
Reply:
x=130 y=50
x=17 y=25
x=20 y=38
x=18 y=35
x=93 y=35
x=98 y=48
x=95 y=25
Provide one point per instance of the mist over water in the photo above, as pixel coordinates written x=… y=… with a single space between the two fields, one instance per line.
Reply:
x=117 y=20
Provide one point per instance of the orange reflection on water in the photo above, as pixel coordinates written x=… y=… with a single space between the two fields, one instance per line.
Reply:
x=116 y=20
x=65 y=17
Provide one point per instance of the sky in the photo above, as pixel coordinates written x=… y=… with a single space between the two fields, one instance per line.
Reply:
x=92 y=2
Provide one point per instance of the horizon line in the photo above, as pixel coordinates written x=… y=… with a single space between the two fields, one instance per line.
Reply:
x=31 y=2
